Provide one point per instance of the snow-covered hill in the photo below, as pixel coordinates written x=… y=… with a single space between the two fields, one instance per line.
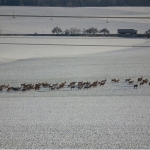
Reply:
x=111 y=116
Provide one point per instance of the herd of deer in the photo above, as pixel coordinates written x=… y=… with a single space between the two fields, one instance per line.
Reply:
x=72 y=85
x=140 y=81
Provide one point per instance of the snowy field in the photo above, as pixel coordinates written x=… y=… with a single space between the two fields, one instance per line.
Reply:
x=111 y=116
x=45 y=24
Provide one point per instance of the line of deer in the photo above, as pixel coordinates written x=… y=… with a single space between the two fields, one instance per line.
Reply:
x=71 y=85
x=115 y=80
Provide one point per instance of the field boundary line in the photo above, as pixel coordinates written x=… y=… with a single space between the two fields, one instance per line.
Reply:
x=49 y=16
x=34 y=44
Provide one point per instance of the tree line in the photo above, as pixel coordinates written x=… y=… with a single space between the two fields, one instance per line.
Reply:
x=89 y=31
x=73 y=31
x=75 y=3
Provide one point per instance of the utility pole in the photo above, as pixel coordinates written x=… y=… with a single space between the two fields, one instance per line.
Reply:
x=107 y=19
x=13 y=15
x=51 y=17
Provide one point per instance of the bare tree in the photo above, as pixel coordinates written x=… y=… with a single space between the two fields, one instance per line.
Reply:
x=67 y=32
x=105 y=31
x=57 y=30
x=147 y=33
x=75 y=31
x=84 y=31
x=92 y=30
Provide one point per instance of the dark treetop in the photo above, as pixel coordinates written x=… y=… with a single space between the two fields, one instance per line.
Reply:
x=75 y=3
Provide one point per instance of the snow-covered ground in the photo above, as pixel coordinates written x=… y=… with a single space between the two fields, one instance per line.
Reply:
x=75 y=122
x=111 y=116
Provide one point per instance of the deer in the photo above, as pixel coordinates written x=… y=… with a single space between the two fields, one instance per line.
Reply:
x=101 y=83
x=141 y=83
x=72 y=86
x=127 y=80
x=72 y=83
x=140 y=79
x=130 y=82
x=145 y=80
x=9 y=89
x=80 y=86
x=115 y=80
x=135 y=86
x=94 y=84
x=79 y=83
x=1 y=88
x=62 y=84
x=24 y=89
x=16 y=88
x=104 y=80
x=53 y=88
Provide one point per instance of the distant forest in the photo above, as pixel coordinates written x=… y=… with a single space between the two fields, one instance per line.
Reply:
x=75 y=3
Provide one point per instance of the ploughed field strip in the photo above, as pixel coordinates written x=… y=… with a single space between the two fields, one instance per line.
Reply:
x=73 y=85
